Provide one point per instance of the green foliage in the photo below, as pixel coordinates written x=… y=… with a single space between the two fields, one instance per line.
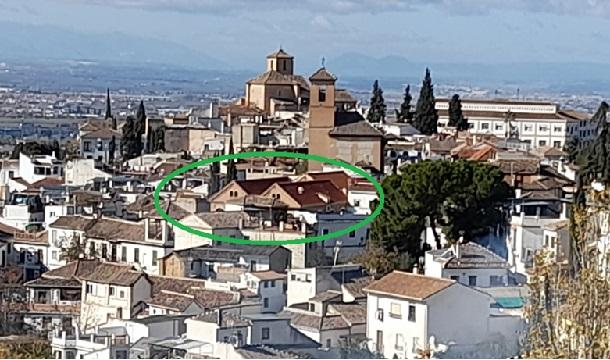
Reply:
x=214 y=177
x=456 y=117
x=157 y=140
x=231 y=168
x=426 y=117
x=405 y=114
x=38 y=148
x=378 y=261
x=35 y=349
x=571 y=148
x=597 y=164
x=377 y=109
x=463 y=198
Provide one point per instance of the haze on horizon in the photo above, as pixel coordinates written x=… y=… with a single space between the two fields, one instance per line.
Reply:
x=237 y=34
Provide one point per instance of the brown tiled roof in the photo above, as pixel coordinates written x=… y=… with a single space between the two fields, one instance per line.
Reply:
x=354 y=314
x=322 y=75
x=356 y=287
x=408 y=285
x=328 y=295
x=339 y=178
x=72 y=223
x=344 y=96
x=471 y=256
x=317 y=323
x=114 y=273
x=360 y=128
x=268 y=275
x=312 y=192
x=518 y=166
x=226 y=219
x=272 y=77
x=172 y=301
x=174 y=284
x=211 y=299
x=111 y=229
x=258 y=186
x=48 y=181
x=9 y=230
x=53 y=282
x=146 y=205
x=75 y=269
x=280 y=54
x=105 y=133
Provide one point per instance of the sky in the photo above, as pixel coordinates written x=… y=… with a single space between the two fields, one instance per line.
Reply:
x=242 y=32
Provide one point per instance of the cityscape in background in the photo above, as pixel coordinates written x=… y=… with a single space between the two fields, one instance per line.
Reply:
x=462 y=210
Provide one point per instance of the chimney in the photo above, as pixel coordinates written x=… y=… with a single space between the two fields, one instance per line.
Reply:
x=281 y=225
x=456 y=249
x=415 y=269
x=240 y=223
x=300 y=190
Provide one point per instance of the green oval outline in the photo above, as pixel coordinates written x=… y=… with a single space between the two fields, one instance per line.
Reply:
x=259 y=154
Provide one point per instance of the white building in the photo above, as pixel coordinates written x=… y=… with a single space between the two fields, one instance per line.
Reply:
x=100 y=344
x=407 y=313
x=469 y=264
x=345 y=247
x=38 y=167
x=270 y=286
x=536 y=122
x=80 y=172
x=96 y=145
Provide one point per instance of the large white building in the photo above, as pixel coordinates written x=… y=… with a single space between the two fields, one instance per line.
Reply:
x=536 y=122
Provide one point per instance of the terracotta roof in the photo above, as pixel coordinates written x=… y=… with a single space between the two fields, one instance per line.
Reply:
x=322 y=75
x=339 y=178
x=354 y=314
x=328 y=295
x=114 y=273
x=211 y=299
x=356 y=287
x=146 y=205
x=280 y=54
x=548 y=151
x=75 y=269
x=46 y=182
x=268 y=275
x=47 y=282
x=360 y=128
x=174 y=284
x=273 y=77
x=105 y=133
x=111 y=229
x=344 y=96
x=408 y=285
x=314 y=193
x=258 y=186
x=317 y=323
x=78 y=223
x=499 y=101
x=175 y=302
x=518 y=166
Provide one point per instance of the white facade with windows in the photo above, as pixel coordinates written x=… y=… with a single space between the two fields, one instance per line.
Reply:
x=538 y=123
x=343 y=247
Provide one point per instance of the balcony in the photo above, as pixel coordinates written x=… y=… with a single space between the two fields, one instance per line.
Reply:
x=73 y=308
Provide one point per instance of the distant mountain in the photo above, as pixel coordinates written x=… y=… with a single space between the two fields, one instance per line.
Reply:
x=568 y=75
x=42 y=42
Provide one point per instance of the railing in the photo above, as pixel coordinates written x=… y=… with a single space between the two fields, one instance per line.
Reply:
x=55 y=308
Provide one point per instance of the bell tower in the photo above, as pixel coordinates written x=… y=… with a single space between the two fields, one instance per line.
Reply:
x=281 y=62
x=321 y=116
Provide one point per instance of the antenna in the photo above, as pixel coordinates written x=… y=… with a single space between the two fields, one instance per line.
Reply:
x=323 y=61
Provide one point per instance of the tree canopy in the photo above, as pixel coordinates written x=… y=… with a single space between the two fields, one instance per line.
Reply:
x=231 y=168
x=461 y=198
x=426 y=117
x=456 y=117
x=404 y=114
x=377 y=109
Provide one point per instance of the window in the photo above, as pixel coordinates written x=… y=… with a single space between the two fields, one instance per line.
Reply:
x=557 y=129
x=232 y=193
x=89 y=289
x=557 y=144
x=51 y=214
x=266 y=303
x=352 y=234
x=543 y=128
x=356 y=203
x=395 y=310
x=136 y=255
x=112 y=291
x=54 y=255
x=265 y=333
x=308 y=278
x=154 y=258
x=399 y=342
x=485 y=126
x=87 y=146
x=499 y=127
x=266 y=284
x=527 y=128
x=122 y=294
x=541 y=143
x=124 y=254
x=455 y=277
x=412 y=313
x=328 y=343
x=312 y=307
x=495 y=280
x=324 y=231
x=322 y=94
x=293 y=277
x=472 y=280
x=92 y=249
x=272 y=283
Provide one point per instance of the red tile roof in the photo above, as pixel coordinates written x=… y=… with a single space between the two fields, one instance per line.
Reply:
x=408 y=285
x=312 y=193
x=258 y=186
x=339 y=178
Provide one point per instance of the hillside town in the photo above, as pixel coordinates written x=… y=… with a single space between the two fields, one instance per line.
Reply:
x=480 y=196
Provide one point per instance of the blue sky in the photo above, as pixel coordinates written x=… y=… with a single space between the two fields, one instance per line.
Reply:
x=243 y=31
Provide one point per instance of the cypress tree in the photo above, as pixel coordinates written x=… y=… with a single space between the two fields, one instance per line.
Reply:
x=456 y=117
x=131 y=143
x=377 y=109
x=140 y=125
x=426 y=117
x=404 y=114
x=231 y=169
